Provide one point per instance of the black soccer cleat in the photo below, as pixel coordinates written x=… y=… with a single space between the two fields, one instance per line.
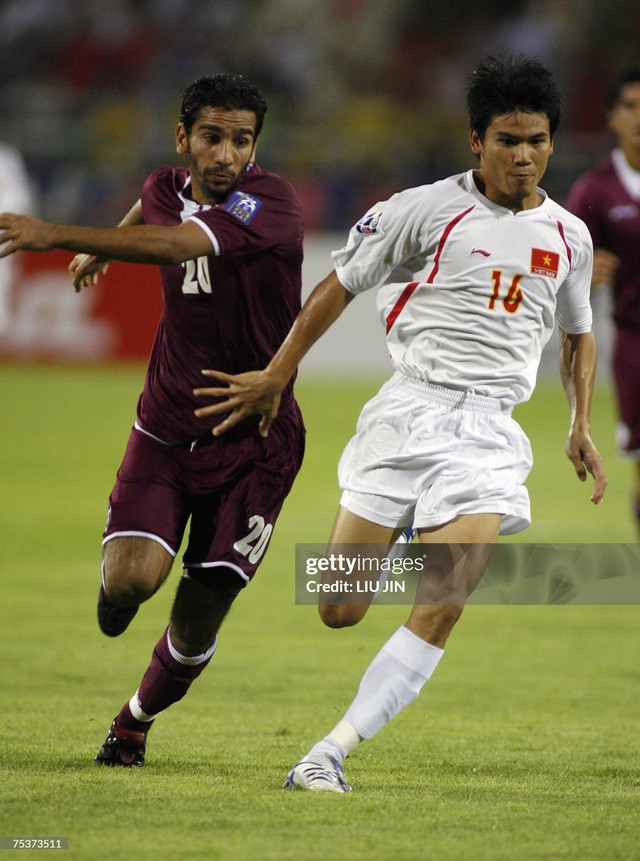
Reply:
x=113 y=620
x=123 y=747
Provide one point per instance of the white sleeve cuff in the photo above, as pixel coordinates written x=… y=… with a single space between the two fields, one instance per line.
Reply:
x=214 y=241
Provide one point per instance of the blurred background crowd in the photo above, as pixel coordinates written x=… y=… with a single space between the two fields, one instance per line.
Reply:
x=365 y=96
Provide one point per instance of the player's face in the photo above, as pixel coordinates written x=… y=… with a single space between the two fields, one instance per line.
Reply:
x=513 y=158
x=624 y=119
x=219 y=147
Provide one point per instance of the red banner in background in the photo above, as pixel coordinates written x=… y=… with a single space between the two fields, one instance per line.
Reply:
x=47 y=319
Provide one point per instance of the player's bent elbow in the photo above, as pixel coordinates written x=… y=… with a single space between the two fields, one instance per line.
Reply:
x=176 y=251
x=185 y=242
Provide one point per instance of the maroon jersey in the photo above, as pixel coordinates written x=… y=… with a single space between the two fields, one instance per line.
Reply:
x=230 y=310
x=613 y=219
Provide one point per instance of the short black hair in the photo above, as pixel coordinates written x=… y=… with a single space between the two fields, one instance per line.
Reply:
x=502 y=85
x=222 y=90
x=627 y=76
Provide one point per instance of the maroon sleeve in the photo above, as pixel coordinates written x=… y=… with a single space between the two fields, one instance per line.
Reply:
x=160 y=198
x=583 y=201
x=590 y=198
x=262 y=213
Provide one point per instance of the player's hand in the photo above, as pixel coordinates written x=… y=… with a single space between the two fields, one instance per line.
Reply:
x=21 y=233
x=85 y=269
x=605 y=266
x=585 y=459
x=242 y=395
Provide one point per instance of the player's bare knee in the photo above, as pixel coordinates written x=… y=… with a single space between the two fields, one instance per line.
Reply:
x=341 y=615
x=126 y=587
x=134 y=571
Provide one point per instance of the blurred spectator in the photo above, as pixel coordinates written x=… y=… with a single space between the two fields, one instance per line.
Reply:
x=75 y=77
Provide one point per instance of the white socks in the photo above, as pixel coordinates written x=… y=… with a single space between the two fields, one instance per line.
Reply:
x=190 y=661
x=391 y=681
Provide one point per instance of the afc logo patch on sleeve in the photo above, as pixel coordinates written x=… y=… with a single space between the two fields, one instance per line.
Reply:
x=242 y=206
x=544 y=262
x=369 y=224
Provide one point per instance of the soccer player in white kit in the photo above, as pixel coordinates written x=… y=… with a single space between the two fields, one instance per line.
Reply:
x=471 y=273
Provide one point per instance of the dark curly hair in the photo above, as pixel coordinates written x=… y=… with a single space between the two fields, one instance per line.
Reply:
x=502 y=85
x=231 y=92
x=628 y=76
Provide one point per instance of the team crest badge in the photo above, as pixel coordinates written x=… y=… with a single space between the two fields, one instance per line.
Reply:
x=369 y=224
x=242 y=206
x=544 y=262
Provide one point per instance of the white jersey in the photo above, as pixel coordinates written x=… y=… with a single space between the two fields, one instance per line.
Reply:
x=468 y=290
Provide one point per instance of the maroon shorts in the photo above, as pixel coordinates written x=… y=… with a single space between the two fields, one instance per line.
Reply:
x=231 y=488
x=626 y=374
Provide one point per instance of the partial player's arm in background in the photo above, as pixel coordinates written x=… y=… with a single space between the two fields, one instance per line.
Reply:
x=578 y=355
x=258 y=392
x=85 y=267
x=605 y=266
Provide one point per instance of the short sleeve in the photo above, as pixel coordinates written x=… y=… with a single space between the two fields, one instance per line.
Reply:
x=261 y=214
x=573 y=309
x=583 y=202
x=385 y=237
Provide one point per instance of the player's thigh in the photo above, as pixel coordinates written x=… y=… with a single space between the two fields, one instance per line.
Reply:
x=356 y=548
x=232 y=520
x=149 y=499
x=466 y=529
x=232 y=529
x=351 y=528
x=457 y=555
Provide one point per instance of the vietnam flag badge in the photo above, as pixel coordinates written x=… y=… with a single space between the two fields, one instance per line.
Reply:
x=544 y=262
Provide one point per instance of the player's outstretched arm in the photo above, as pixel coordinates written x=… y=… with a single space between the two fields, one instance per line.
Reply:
x=577 y=370
x=85 y=268
x=259 y=392
x=137 y=243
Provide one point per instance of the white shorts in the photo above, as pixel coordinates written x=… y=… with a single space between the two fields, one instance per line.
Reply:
x=424 y=454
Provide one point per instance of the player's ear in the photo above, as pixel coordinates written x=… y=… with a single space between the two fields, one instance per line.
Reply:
x=475 y=142
x=612 y=121
x=182 y=139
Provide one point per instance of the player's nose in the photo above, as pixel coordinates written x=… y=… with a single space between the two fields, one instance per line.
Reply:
x=224 y=153
x=522 y=154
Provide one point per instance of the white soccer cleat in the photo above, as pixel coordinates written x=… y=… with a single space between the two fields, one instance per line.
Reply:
x=318 y=772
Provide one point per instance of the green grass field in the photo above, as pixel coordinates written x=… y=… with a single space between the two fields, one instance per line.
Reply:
x=523 y=746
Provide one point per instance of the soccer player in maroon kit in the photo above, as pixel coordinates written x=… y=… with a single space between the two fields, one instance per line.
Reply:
x=607 y=198
x=228 y=239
